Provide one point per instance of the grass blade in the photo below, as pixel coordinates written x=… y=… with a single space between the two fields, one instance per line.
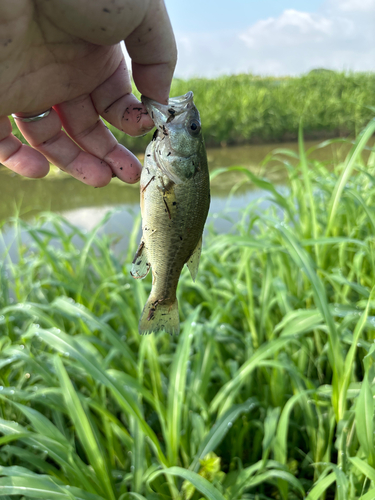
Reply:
x=281 y=441
x=228 y=391
x=63 y=343
x=274 y=474
x=349 y=360
x=364 y=413
x=57 y=451
x=42 y=487
x=220 y=429
x=311 y=219
x=357 y=149
x=270 y=425
x=176 y=390
x=200 y=483
x=84 y=430
x=370 y=495
x=69 y=308
x=321 y=486
x=364 y=467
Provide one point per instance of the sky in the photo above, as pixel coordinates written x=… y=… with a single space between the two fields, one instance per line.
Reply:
x=272 y=37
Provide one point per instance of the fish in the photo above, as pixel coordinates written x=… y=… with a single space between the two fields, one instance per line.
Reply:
x=174 y=199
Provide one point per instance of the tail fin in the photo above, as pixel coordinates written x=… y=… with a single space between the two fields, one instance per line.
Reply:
x=159 y=316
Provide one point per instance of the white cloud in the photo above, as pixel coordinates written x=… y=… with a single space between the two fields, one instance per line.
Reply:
x=354 y=5
x=340 y=36
x=286 y=29
x=291 y=26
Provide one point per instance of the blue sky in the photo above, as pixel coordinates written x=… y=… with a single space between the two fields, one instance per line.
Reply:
x=272 y=37
x=211 y=15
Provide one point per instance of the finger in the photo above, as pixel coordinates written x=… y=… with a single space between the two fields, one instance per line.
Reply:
x=17 y=156
x=152 y=47
x=47 y=137
x=81 y=121
x=114 y=101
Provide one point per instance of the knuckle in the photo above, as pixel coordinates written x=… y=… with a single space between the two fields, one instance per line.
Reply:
x=87 y=131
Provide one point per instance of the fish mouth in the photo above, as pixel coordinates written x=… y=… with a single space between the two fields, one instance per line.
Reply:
x=161 y=113
x=182 y=100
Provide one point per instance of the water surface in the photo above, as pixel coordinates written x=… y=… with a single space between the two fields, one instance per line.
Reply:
x=85 y=205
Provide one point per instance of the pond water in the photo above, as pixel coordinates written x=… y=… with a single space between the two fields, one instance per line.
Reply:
x=85 y=206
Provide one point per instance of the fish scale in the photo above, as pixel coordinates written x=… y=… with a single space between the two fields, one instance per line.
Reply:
x=175 y=198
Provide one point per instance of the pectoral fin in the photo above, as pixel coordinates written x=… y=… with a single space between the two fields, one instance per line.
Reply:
x=165 y=166
x=166 y=188
x=193 y=261
x=140 y=264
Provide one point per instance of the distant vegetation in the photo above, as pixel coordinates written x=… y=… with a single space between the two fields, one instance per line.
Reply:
x=246 y=108
x=266 y=394
x=249 y=109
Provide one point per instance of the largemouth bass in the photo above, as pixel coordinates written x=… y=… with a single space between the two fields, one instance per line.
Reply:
x=175 y=198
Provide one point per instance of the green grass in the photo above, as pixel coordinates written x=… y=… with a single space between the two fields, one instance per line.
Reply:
x=239 y=109
x=245 y=108
x=268 y=391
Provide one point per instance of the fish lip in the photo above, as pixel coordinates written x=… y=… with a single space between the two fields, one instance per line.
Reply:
x=160 y=111
x=181 y=100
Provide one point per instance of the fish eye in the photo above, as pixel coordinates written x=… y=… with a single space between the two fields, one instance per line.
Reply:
x=194 y=127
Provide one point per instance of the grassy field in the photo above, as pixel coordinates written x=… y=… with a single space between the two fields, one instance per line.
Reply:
x=245 y=108
x=242 y=109
x=266 y=394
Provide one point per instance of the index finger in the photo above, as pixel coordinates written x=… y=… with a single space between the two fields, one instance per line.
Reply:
x=152 y=48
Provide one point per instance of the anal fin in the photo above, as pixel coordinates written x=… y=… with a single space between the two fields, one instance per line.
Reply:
x=193 y=261
x=140 y=264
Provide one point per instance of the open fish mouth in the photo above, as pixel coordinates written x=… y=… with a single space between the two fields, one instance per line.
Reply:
x=182 y=100
x=161 y=113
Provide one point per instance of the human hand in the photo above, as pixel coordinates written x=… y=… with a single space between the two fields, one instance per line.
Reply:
x=66 y=55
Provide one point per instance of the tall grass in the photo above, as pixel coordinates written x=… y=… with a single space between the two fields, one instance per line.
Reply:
x=245 y=108
x=268 y=391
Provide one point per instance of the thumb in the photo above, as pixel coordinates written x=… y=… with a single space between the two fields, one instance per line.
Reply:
x=152 y=48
